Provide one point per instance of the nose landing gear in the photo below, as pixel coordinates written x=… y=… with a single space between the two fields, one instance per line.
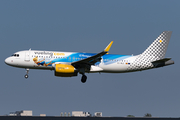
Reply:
x=26 y=76
x=27 y=71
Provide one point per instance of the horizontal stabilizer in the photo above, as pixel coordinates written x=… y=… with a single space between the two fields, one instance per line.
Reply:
x=163 y=62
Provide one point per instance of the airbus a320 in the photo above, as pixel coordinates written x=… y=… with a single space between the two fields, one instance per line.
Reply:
x=68 y=64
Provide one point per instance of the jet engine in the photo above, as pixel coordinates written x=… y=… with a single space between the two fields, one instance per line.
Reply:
x=64 y=70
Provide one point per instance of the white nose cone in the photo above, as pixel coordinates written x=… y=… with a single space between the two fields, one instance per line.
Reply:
x=7 y=61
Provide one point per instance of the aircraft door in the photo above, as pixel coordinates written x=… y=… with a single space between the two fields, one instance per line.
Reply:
x=27 y=56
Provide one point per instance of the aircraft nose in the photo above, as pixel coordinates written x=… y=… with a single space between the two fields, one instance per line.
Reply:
x=7 y=61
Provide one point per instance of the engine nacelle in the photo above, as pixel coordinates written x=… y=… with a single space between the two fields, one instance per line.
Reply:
x=64 y=70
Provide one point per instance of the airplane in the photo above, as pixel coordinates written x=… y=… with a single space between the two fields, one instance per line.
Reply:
x=69 y=64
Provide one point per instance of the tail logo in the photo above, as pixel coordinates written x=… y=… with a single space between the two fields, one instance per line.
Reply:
x=160 y=41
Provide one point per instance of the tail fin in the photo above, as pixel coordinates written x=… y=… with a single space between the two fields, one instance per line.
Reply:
x=157 y=49
x=154 y=55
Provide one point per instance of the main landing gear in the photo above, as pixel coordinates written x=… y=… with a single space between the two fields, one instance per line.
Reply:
x=27 y=71
x=84 y=78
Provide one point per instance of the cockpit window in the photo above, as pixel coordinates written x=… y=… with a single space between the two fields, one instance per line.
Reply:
x=15 y=55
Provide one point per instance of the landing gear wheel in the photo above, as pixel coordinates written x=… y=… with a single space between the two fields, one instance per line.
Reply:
x=26 y=76
x=27 y=71
x=84 y=78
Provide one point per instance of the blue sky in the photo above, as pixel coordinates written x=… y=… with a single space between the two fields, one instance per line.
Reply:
x=89 y=26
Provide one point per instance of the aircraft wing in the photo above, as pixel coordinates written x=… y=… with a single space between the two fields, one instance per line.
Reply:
x=93 y=59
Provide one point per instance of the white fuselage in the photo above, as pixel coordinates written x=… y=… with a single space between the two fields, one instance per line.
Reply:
x=109 y=63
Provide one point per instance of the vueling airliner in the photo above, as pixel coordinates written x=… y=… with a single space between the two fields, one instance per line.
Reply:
x=68 y=64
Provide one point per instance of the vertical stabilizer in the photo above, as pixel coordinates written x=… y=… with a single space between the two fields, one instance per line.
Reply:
x=157 y=49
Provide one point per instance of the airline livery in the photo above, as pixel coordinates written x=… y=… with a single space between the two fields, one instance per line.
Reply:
x=68 y=64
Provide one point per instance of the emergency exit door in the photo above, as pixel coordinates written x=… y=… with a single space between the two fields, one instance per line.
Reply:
x=27 y=56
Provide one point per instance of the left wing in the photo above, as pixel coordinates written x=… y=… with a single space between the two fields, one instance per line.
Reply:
x=93 y=59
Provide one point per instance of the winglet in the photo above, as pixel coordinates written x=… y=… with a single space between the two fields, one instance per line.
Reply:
x=108 y=47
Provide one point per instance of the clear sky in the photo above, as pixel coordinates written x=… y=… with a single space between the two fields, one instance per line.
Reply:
x=89 y=26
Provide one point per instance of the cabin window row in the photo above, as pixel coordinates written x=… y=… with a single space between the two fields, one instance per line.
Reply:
x=116 y=60
x=15 y=55
x=77 y=58
x=48 y=57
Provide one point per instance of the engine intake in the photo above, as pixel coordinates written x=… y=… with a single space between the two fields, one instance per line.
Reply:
x=64 y=70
